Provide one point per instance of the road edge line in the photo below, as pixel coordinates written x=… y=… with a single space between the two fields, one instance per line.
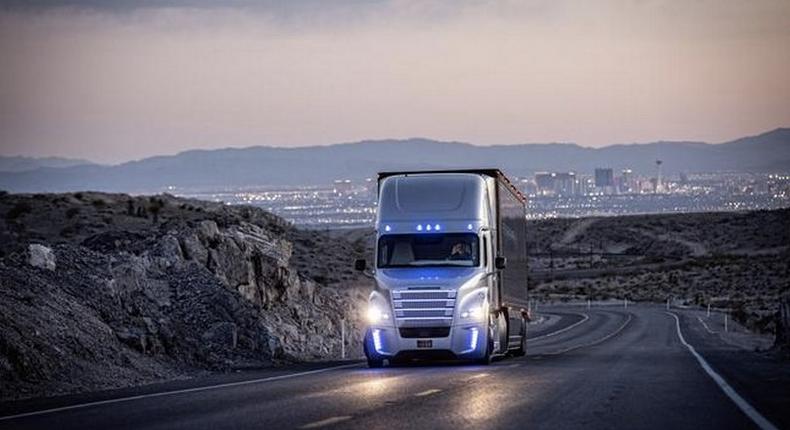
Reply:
x=174 y=392
x=739 y=401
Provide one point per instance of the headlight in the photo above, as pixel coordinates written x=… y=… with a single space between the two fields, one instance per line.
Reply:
x=376 y=313
x=378 y=309
x=475 y=305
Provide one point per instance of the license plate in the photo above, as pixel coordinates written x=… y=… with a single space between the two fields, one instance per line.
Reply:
x=424 y=344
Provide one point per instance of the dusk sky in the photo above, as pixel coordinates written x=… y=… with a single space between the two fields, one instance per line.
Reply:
x=116 y=83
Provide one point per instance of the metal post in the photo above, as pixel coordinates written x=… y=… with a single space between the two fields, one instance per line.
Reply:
x=708 y=310
x=343 y=339
x=725 y=322
x=589 y=303
x=625 y=303
x=667 y=304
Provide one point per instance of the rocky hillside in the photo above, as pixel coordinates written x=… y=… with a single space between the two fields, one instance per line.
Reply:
x=737 y=261
x=106 y=290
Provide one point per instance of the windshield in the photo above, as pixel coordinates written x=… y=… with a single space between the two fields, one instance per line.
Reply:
x=418 y=250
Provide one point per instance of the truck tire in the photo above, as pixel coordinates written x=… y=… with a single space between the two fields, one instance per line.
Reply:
x=489 y=354
x=522 y=349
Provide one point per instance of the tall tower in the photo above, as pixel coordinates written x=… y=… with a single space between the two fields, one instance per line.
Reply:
x=659 y=187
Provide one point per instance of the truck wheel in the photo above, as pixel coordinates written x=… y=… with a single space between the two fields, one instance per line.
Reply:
x=522 y=348
x=488 y=357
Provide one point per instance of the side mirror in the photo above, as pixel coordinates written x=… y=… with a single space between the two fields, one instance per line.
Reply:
x=360 y=265
x=500 y=263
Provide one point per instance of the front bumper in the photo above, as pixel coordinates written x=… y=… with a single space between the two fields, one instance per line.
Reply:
x=466 y=341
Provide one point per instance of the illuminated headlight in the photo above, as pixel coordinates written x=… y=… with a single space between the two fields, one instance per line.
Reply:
x=476 y=313
x=475 y=305
x=377 y=313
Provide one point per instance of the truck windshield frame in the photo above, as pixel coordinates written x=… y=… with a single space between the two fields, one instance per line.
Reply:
x=428 y=250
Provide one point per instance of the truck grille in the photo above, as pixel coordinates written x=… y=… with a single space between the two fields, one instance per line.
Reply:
x=423 y=307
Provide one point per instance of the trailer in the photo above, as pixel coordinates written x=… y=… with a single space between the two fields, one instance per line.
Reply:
x=450 y=268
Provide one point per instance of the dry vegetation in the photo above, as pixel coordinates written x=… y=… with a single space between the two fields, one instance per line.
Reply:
x=737 y=261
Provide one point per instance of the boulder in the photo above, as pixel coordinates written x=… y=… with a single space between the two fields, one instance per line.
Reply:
x=229 y=263
x=194 y=249
x=207 y=231
x=41 y=256
x=168 y=251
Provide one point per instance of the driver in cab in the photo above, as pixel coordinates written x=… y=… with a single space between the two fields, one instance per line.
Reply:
x=460 y=251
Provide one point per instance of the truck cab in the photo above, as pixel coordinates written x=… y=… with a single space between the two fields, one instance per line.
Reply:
x=449 y=268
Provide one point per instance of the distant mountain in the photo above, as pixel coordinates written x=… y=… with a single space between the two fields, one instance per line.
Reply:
x=263 y=165
x=23 y=164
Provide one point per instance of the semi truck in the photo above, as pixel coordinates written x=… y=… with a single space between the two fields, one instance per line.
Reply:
x=450 y=268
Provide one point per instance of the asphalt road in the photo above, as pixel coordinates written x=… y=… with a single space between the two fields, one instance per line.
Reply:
x=600 y=368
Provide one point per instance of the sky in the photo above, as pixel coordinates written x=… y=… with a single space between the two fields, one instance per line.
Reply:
x=116 y=81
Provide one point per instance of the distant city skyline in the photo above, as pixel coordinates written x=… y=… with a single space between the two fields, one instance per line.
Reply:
x=119 y=81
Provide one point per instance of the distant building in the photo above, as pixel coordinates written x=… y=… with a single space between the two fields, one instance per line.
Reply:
x=565 y=184
x=604 y=177
x=658 y=187
x=342 y=186
x=557 y=184
x=627 y=184
x=544 y=181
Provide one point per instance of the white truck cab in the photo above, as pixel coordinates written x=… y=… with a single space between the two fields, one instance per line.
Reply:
x=450 y=268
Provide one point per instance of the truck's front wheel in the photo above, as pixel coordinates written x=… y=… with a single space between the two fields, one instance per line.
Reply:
x=489 y=353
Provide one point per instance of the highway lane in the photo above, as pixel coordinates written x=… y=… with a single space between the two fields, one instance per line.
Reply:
x=598 y=368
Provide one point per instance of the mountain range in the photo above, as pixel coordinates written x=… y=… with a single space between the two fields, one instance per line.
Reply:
x=265 y=165
x=22 y=164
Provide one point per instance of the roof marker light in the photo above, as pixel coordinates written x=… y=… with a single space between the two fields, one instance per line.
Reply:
x=428 y=227
x=437 y=227
x=419 y=227
x=469 y=226
x=387 y=228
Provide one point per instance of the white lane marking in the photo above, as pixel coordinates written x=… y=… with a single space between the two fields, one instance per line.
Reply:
x=748 y=409
x=595 y=342
x=174 y=392
x=428 y=392
x=326 y=422
x=554 y=333
x=706 y=326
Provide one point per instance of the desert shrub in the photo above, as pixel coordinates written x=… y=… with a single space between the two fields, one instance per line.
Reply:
x=99 y=203
x=78 y=196
x=3 y=193
x=156 y=208
x=18 y=210
x=72 y=212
